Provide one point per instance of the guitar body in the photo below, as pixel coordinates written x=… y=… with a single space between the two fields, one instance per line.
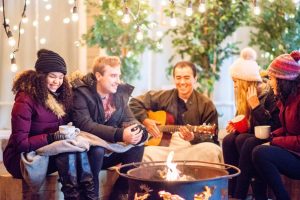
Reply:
x=166 y=126
x=163 y=118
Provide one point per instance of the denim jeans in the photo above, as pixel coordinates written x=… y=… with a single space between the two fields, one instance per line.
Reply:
x=270 y=162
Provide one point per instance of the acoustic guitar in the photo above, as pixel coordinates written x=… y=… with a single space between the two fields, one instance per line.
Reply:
x=167 y=128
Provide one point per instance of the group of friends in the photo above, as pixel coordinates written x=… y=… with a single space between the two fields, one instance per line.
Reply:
x=100 y=104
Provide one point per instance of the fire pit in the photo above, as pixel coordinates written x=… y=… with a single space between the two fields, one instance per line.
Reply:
x=196 y=180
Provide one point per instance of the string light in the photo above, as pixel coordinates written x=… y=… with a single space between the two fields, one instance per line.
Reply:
x=22 y=31
x=48 y=6
x=11 y=39
x=126 y=16
x=202 y=7
x=66 y=20
x=189 y=9
x=75 y=15
x=256 y=8
x=173 y=21
x=43 y=41
x=163 y=2
x=24 y=19
x=47 y=18
x=35 y=23
x=13 y=62
x=139 y=34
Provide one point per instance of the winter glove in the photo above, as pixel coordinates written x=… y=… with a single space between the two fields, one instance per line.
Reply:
x=144 y=134
x=55 y=137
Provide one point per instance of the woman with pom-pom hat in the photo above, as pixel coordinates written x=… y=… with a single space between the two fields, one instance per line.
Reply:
x=255 y=102
x=282 y=156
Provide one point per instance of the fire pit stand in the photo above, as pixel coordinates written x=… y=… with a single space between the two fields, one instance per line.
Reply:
x=200 y=180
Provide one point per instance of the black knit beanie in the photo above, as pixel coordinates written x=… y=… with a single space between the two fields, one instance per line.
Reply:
x=49 y=61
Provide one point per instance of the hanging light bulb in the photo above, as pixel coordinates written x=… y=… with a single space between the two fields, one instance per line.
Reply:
x=163 y=2
x=75 y=15
x=35 y=23
x=13 y=66
x=173 y=20
x=48 y=6
x=24 y=19
x=126 y=16
x=139 y=34
x=47 y=18
x=27 y=2
x=11 y=39
x=202 y=7
x=189 y=9
x=256 y=10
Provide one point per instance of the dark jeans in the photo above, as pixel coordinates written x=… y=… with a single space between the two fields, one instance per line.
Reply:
x=248 y=172
x=270 y=162
x=232 y=145
x=98 y=161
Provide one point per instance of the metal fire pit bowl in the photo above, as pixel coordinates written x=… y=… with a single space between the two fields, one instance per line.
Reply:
x=205 y=180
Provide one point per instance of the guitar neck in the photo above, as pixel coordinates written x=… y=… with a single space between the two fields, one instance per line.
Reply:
x=202 y=129
x=174 y=128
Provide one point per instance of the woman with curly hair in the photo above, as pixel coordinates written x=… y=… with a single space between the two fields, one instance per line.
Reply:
x=255 y=100
x=282 y=156
x=42 y=103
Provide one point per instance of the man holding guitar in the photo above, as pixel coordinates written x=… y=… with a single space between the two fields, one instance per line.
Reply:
x=189 y=110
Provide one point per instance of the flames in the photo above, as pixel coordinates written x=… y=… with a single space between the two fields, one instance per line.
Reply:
x=173 y=172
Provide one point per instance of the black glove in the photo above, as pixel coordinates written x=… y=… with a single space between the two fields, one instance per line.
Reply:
x=144 y=134
x=55 y=137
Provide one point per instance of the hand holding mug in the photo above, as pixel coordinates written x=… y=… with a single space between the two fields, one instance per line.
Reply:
x=240 y=123
x=69 y=131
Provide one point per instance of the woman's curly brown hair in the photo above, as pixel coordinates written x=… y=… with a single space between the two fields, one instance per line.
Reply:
x=34 y=84
x=285 y=88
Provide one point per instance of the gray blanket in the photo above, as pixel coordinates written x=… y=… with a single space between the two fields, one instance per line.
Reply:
x=34 y=164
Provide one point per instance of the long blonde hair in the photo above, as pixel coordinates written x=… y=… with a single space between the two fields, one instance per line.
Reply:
x=242 y=107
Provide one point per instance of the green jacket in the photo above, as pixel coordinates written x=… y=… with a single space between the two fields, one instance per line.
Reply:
x=200 y=109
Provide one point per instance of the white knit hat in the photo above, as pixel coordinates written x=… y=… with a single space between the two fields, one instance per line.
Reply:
x=245 y=67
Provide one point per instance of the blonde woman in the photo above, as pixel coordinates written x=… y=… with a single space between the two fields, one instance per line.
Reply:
x=255 y=100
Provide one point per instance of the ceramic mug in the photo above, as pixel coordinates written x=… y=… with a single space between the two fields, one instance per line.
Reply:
x=262 y=132
x=70 y=131
x=240 y=123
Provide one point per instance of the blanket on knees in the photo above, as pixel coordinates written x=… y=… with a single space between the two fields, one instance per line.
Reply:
x=34 y=164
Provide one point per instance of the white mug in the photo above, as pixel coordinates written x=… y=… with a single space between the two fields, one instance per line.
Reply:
x=262 y=132
x=70 y=131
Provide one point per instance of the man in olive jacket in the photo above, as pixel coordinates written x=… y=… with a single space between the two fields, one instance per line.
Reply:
x=101 y=108
x=187 y=107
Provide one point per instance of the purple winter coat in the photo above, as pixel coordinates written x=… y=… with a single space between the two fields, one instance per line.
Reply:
x=30 y=122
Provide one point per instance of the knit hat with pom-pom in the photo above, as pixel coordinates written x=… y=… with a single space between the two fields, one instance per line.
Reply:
x=285 y=66
x=245 y=67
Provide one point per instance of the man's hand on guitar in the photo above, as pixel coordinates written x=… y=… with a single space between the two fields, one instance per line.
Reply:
x=151 y=126
x=186 y=134
x=132 y=135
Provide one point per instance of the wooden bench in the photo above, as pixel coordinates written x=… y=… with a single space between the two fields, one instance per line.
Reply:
x=17 y=189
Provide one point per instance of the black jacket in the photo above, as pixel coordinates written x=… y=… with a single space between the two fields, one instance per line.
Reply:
x=88 y=111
